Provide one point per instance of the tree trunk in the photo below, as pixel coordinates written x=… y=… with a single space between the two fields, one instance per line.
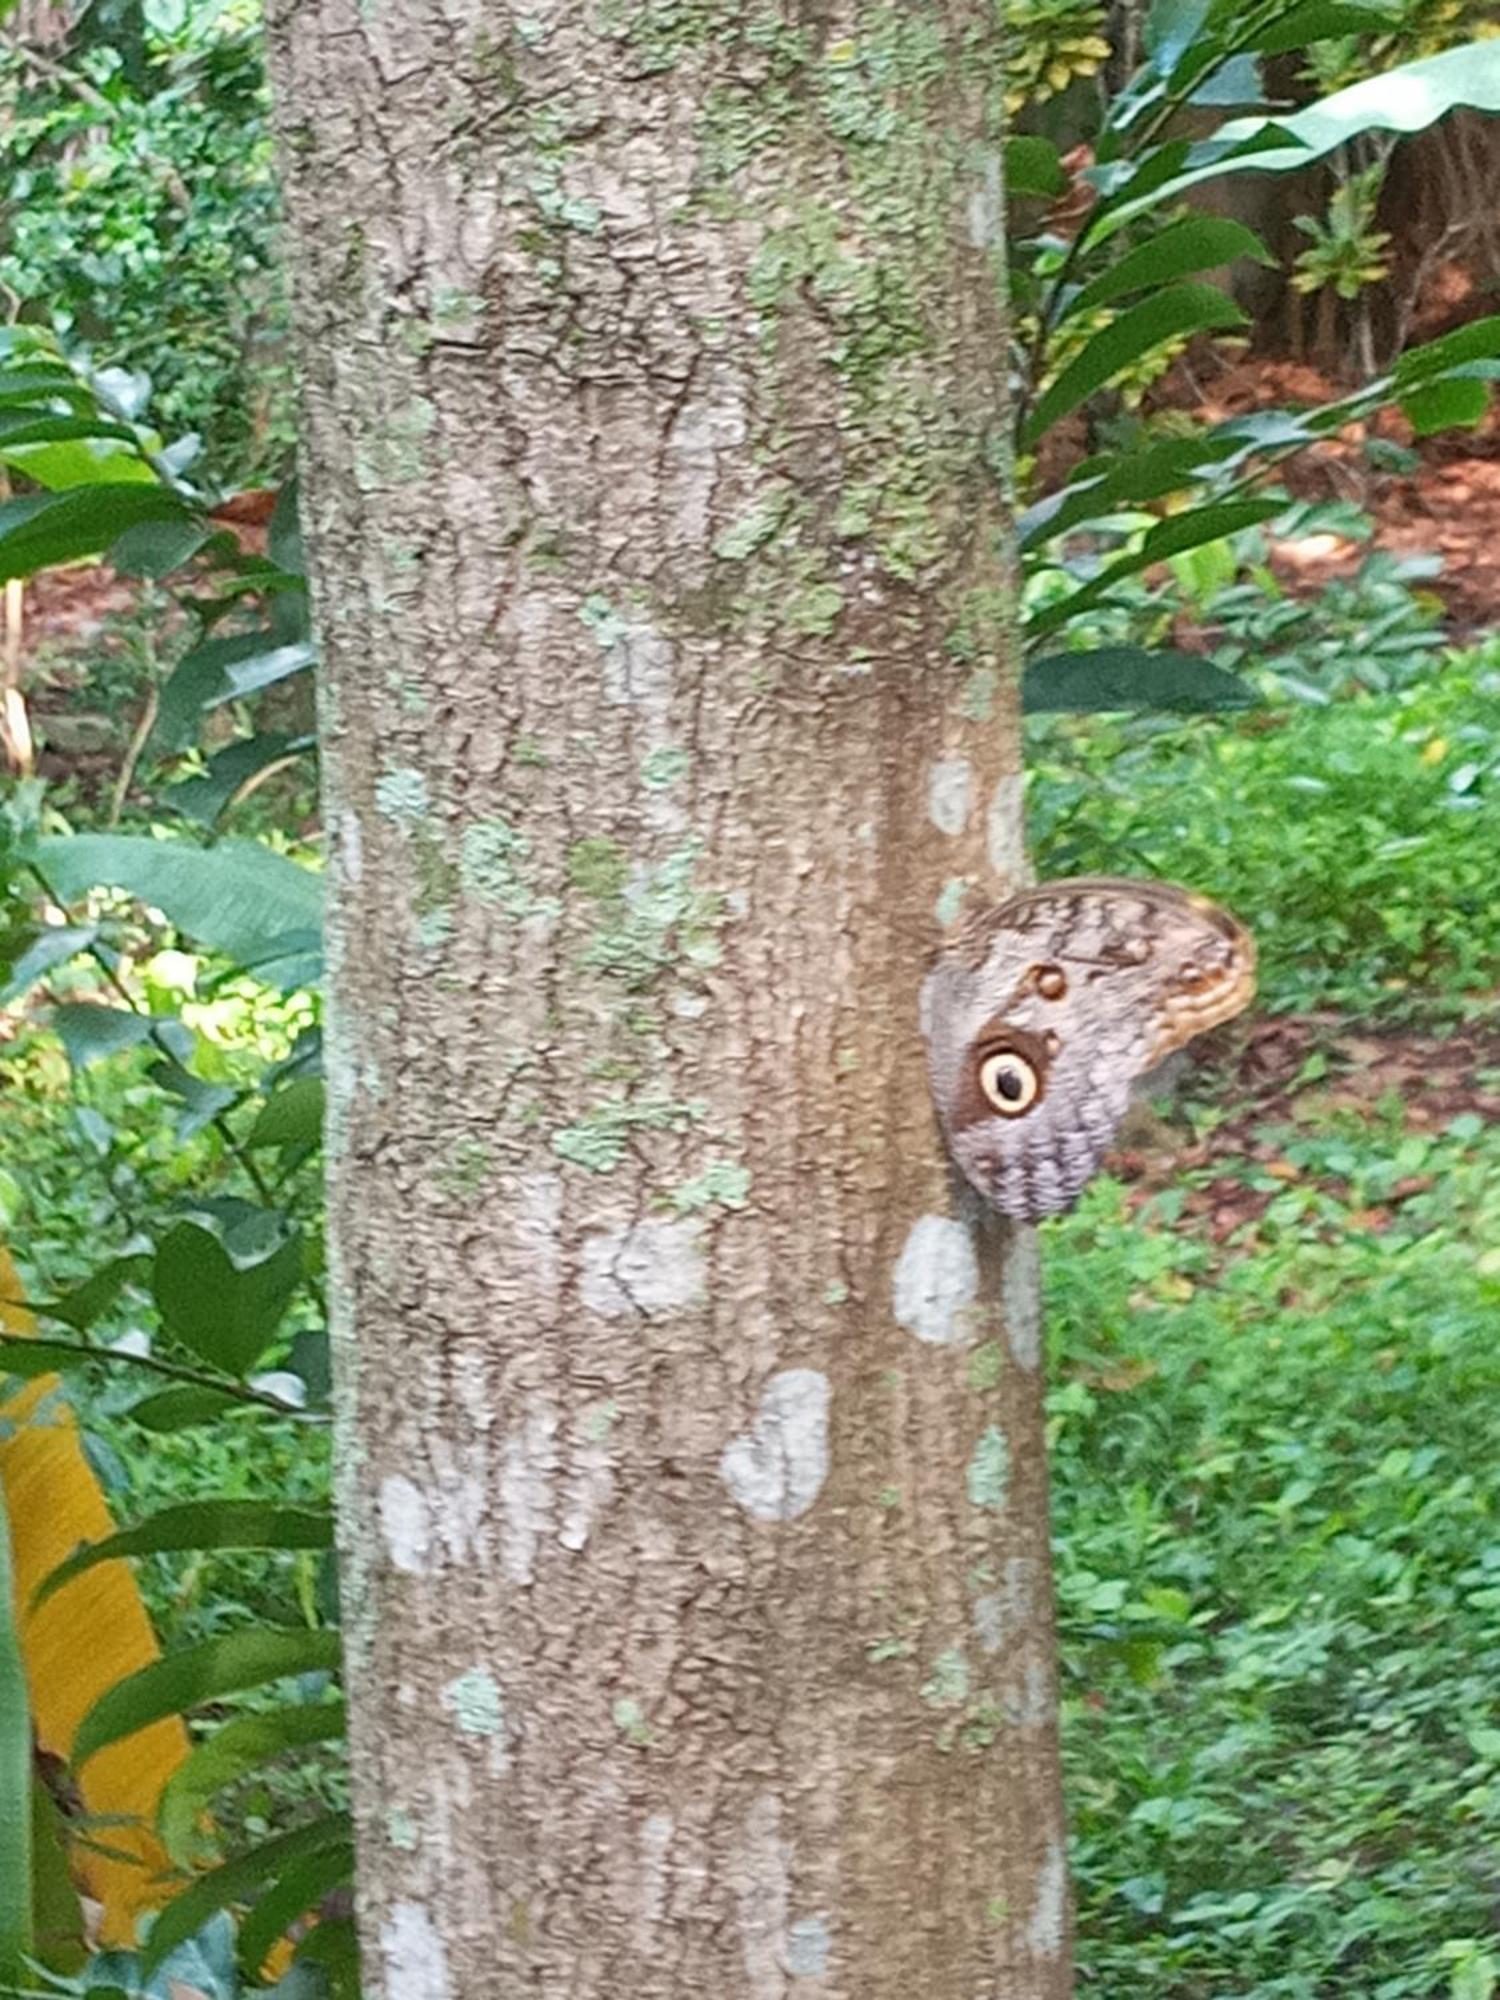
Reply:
x=693 y=1494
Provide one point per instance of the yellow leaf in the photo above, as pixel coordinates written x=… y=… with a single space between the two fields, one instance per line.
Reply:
x=92 y=1633
x=1434 y=750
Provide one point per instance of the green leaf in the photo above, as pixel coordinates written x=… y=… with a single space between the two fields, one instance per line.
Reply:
x=28 y=1358
x=179 y=1408
x=293 y=1117
x=1032 y=167
x=1451 y=403
x=156 y=548
x=186 y=1914
x=1320 y=21
x=90 y=1031
x=185 y=1680
x=234 y=1749
x=300 y=1887
x=198 y=1524
x=1129 y=677
x=256 y=907
x=1478 y=341
x=205 y=797
x=1197 y=243
x=94 y=1297
x=1406 y=99
x=1171 y=314
x=41 y=531
x=226 y=1310
x=334 y=1947
x=15 y=1780
x=1169 y=537
x=51 y=947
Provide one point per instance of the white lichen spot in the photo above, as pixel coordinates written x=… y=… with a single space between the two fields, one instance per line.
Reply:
x=1005 y=1612
x=416 y=1962
x=986 y=206
x=936 y=1280
x=950 y=789
x=528 y=1467
x=808 y=1944
x=652 y=1267
x=589 y=1485
x=761 y=1873
x=989 y=1472
x=1021 y=1297
x=949 y=905
x=405 y=1523
x=777 y=1469
x=474 y=1699
x=1005 y=830
x=651 y=1904
x=351 y=846
x=401 y=1830
x=402 y=796
x=1049 y=1906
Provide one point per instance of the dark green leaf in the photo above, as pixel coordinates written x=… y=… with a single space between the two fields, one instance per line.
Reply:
x=89 y=1032
x=185 y=1680
x=52 y=946
x=237 y=1747
x=1478 y=341
x=255 y=906
x=202 y=1102
x=156 y=548
x=226 y=1310
x=1171 y=314
x=185 y=1915
x=198 y=1524
x=1032 y=167
x=293 y=1117
x=94 y=1297
x=1197 y=243
x=1129 y=677
x=15 y=1779
x=284 y=537
x=1320 y=21
x=298 y=1888
x=179 y=1408
x=44 y=530
x=204 y=798
x=1188 y=530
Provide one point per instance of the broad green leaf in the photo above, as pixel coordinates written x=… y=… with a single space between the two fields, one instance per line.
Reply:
x=1170 y=537
x=1320 y=21
x=1197 y=243
x=57 y=1915
x=41 y=531
x=51 y=947
x=181 y=1407
x=90 y=1031
x=235 y=1748
x=1406 y=99
x=27 y=1358
x=84 y=462
x=333 y=1947
x=205 y=797
x=1129 y=677
x=226 y=1310
x=1451 y=403
x=199 y=1524
x=86 y=1302
x=15 y=1780
x=293 y=1117
x=223 y=1887
x=256 y=907
x=156 y=548
x=1171 y=314
x=198 y=1674
x=299 y=1887
x=48 y=427
x=1032 y=167
x=1478 y=341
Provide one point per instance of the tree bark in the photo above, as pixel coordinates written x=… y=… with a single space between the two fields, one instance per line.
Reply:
x=692 y=1490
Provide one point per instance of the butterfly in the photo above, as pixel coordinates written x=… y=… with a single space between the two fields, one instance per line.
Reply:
x=1044 y=1011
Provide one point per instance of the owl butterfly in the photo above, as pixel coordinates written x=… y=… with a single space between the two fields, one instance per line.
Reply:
x=1044 y=1011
